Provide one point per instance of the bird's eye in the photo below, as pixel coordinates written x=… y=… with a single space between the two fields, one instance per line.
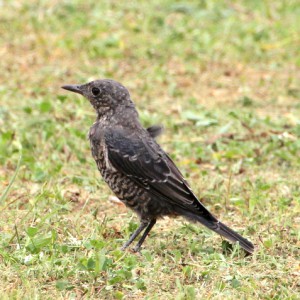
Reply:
x=95 y=91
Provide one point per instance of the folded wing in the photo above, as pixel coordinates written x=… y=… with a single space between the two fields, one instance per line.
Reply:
x=142 y=159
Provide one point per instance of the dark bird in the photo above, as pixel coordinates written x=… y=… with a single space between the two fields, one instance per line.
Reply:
x=137 y=169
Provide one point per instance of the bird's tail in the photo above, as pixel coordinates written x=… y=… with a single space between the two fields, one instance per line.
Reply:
x=212 y=223
x=234 y=237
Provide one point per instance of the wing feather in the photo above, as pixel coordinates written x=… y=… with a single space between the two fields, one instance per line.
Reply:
x=148 y=165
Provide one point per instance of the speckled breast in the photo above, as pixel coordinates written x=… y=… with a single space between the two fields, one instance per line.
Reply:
x=125 y=189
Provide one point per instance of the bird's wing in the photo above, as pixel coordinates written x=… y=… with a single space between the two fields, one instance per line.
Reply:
x=149 y=166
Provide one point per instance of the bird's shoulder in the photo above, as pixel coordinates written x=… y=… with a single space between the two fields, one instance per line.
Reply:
x=133 y=141
x=136 y=153
x=96 y=132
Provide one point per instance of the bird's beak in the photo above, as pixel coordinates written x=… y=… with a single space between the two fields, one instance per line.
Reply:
x=73 y=88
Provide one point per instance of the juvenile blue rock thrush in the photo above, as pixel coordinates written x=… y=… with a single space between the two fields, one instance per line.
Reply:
x=137 y=169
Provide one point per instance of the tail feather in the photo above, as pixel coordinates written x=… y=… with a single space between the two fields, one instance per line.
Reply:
x=212 y=223
x=226 y=232
x=234 y=237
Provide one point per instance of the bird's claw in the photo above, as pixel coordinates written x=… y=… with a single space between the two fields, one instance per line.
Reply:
x=136 y=249
x=124 y=247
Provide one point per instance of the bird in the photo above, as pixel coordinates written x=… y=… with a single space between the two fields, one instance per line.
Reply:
x=135 y=167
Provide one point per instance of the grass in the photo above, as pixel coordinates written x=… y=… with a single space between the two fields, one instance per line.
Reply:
x=221 y=76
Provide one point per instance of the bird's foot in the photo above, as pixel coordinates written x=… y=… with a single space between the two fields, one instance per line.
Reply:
x=124 y=247
x=137 y=248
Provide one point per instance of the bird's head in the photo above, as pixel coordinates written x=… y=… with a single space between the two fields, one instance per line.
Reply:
x=105 y=95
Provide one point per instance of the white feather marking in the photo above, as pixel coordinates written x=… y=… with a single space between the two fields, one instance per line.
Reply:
x=107 y=162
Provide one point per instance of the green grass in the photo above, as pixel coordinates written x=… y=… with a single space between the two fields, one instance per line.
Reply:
x=221 y=76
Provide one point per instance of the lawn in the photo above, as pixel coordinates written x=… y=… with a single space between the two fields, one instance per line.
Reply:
x=223 y=77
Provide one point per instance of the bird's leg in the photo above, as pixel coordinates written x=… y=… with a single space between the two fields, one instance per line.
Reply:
x=136 y=233
x=146 y=232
